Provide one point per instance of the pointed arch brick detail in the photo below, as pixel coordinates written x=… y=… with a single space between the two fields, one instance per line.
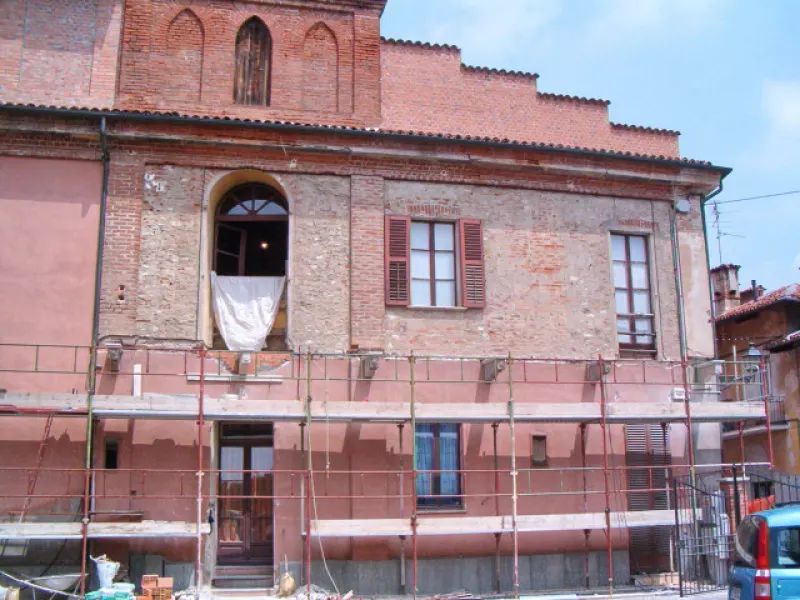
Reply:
x=321 y=70
x=183 y=68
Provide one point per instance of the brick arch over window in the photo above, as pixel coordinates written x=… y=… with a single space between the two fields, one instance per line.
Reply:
x=320 y=70
x=251 y=84
x=183 y=69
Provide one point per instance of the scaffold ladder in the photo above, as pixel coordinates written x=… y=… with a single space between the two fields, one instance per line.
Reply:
x=34 y=474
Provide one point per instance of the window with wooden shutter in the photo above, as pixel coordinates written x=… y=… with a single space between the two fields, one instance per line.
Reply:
x=473 y=272
x=253 y=57
x=397 y=246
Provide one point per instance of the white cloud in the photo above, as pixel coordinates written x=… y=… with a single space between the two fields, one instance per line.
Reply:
x=620 y=22
x=781 y=145
x=489 y=32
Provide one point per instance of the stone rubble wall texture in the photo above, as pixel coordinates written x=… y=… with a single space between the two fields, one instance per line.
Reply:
x=549 y=286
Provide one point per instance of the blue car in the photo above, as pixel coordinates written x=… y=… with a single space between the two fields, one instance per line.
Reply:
x=766 y=562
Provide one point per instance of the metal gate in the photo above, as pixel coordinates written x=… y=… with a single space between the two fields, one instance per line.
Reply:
x=705 y=517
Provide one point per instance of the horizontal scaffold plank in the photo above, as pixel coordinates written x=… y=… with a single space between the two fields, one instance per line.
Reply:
x=57 y=531
x=446 y=525
x=185 y=406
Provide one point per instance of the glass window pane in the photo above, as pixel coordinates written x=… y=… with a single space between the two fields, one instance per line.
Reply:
x=618 y=247
x=620 y=275
x=639 y=275
x=231 y=457
x=420 y=264
x=424 y=481
x=643 y=326
x=638 y=248
x=448 y=459
x=623 y=325
x=271 y=208
x=419 y=235
x=420 y=292
x=445 y=293
x=621 y=300
x=261 y=458
x=443 y=236
x=625 y=339
x=445 y=265
x=641 y=303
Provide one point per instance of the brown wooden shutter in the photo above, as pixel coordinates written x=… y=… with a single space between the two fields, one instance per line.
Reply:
x=397 y=241
x=473 y=272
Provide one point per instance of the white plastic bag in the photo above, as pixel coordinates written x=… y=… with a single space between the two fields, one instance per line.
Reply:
x=106 y=570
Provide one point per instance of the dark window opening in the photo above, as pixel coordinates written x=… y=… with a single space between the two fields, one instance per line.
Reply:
x=632 y=298
x=111 y=454
x=539 y=451
x=252 y=232
x=253 y=57
x=438 y=482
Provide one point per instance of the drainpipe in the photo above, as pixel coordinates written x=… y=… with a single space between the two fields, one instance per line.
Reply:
x=92 y=382
x=708 y=258
x=676 y=267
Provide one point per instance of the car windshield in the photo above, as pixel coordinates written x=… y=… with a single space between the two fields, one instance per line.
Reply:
x=787 y=542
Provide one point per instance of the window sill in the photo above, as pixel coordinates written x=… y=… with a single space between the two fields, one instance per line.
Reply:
x=449 y=510
x=437 y=308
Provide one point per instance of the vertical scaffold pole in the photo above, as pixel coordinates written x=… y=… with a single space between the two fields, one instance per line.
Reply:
x=586 y=532
x=200 y=424
x=87 y=472
x=309 y=483
x=303 y=491
x=497 y=535
x=411 y=379
x=514 y=531
x=604 y=425
x=402 y=491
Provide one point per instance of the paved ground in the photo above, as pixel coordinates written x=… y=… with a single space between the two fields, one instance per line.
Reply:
x=720 y=595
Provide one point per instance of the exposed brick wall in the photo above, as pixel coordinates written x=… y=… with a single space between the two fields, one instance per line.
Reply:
x=167 y=302
x=320 y=70
x=312 y=76
x=182 y=71
x=367 y=301
x=546 y=236
x=548 y=273
x=59 y=51
x=428 y=89
x=122 y=244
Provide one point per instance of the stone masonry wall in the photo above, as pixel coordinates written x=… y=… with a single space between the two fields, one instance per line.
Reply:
x=549 y=289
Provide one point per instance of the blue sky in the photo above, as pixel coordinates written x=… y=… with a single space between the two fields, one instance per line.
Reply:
x=725 y=73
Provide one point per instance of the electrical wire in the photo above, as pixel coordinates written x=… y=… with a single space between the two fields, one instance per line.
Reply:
x=754 y=198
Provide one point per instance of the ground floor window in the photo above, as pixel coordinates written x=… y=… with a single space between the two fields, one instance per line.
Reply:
x=438 y=464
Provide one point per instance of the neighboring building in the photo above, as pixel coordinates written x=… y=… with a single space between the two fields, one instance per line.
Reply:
x=760 y=331
x=470 y=290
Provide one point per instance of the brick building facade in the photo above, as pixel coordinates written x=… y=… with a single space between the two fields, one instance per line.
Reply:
x=129 y=124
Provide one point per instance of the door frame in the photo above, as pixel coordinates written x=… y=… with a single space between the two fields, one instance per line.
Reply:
x=247 y=441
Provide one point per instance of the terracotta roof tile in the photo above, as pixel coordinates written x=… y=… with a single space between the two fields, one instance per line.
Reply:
x=491 y=71
x=645 y=129
x=548 y=96
x=81 y=111
x=397 y=42
x=788 y=293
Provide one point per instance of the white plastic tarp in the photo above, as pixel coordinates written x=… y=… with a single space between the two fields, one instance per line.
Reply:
x=245 y=309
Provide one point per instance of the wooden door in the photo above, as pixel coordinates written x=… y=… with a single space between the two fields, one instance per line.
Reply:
x=245 y=516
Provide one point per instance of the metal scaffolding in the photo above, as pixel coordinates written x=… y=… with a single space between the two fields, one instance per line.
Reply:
x=168 y=399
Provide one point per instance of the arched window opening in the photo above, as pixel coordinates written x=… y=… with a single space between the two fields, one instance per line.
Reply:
x=251 y=248
x=252 y=232
x=253 y=58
